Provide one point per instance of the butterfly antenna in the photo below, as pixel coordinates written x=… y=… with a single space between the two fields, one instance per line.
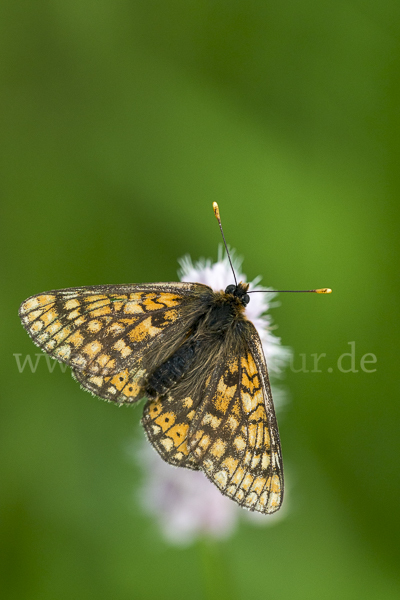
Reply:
x=216 y=213
x=318 y=291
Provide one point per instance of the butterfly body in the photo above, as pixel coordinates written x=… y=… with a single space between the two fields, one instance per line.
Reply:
x=172 y=370
x=196 y=357
x=222 y=323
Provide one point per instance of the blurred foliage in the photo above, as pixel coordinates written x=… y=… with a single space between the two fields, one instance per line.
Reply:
x=121 y=122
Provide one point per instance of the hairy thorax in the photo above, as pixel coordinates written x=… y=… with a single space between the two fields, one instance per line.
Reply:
x=219 y=326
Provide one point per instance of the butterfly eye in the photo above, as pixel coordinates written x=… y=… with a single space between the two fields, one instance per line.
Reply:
x=245 y=299
x=230 y=289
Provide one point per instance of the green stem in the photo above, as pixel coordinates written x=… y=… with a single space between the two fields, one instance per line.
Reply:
x=217 y=576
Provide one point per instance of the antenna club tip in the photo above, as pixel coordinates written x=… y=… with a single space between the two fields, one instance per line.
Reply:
x=324 y=291
x=216 y=210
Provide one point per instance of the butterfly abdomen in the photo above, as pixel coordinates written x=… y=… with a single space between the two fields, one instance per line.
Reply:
x=172 y=369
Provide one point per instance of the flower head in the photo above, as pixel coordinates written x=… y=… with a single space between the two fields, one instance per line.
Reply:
x=185 y=503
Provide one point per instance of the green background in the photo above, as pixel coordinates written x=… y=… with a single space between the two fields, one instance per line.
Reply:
x=121 y=122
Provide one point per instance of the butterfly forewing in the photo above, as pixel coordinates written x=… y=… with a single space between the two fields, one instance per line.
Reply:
x=123 y=387
x=103 y=330
x=234 y=435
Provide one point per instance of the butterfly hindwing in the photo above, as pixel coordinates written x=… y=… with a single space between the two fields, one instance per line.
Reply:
x=102 y=330
x=168 y=417
x=166 y=420
x=234 y=436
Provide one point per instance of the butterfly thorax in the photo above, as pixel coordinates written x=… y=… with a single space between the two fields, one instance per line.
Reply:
x=223 y=322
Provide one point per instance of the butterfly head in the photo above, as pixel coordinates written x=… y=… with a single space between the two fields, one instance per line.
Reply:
x=240 y=292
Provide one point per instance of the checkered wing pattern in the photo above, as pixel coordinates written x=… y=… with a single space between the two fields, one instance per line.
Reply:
x=218 y=417
x=104 y=331
x=166 y=421
x=234 y=435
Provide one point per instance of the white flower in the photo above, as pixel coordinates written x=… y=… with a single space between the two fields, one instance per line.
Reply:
x=185 y=503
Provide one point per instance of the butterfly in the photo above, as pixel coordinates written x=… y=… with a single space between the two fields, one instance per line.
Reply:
x=196 y=358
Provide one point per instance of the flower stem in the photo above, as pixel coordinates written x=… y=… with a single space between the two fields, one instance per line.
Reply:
x=217 y=577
